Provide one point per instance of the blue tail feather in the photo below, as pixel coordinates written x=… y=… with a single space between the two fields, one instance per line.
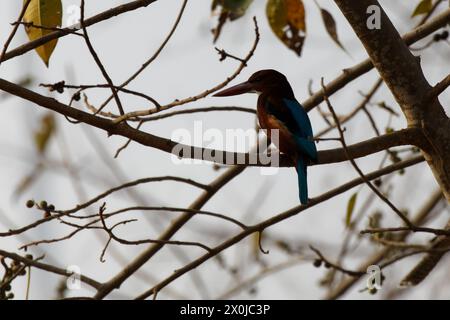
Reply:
x=302 y=182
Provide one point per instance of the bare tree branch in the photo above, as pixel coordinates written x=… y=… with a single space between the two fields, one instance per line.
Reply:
x=14 y=30
x=404 y=137
x=49 y=268
x=104 y=16
x=419 y=219
x=265 y=224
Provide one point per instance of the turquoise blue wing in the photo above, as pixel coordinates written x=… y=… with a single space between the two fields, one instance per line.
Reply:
x=307 y=147
x=300 y=116
x=296 y=120
x=304 y=134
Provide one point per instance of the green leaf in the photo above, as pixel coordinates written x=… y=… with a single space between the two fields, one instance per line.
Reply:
x=228 y=10
x=47 y=14
x=287 y=20
x=29 y=180
x=236 y=8
x=45 y=132
x=350 y=208
x=423 y=7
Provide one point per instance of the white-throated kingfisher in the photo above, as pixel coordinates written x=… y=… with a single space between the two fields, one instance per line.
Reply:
x=278 y=109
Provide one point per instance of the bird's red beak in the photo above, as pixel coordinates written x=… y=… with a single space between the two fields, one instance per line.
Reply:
x=241 y=88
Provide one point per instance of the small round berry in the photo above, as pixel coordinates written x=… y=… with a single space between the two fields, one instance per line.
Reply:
x=377 y=182
x=30 y=203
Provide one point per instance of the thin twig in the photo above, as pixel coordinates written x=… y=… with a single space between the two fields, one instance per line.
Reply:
x=33 y=25
x=420 y=218
x=27 y=293
x=335 y=266
x=172 y=209
x=263 y=225
x=49 y=268
x=61 y=85
x=103 y=16
x=201 y=95
x=353 y=162
x=152 y=58
x=366 y=99
x=262 y=274
x=98 y=61
x=132 y=184
x=14 y=30
x=440 y=87
x=158 y=241
x=438 y=232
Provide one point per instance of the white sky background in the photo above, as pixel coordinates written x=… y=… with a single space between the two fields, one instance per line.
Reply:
x=187 y=66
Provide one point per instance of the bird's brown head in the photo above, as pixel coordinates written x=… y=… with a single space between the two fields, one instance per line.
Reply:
x=263 y=81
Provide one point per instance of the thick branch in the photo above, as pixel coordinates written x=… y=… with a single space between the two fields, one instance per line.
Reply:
x=365 y=66
x=402 y=137
x=429 y=262
x=140 y=260
x=402 y=73
x=271 y=221
x=419 y=219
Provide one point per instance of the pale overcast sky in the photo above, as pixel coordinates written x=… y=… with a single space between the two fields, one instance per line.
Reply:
x=187 y=66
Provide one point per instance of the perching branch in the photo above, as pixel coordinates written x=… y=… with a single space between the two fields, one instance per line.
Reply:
x=404 y=137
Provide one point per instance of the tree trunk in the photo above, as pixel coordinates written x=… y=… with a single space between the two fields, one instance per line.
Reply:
x=402 y=73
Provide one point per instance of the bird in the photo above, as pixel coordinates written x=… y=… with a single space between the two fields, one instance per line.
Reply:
x=278 y=109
